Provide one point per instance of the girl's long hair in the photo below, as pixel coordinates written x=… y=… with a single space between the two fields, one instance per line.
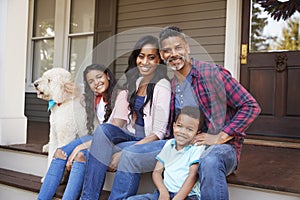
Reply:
x=132 y=73
x=89 y=96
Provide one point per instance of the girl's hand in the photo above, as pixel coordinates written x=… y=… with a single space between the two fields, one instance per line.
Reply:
x=74 y=153
x=71 y=158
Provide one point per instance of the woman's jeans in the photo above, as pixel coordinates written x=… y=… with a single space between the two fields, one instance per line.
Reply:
x=134 y=160
x=155 y=196
x=215 y=164
x=56 y=171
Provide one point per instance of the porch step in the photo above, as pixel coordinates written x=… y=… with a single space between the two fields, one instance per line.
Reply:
x=23 y=165
x=264 y=169
x=25 y=158
x=31 y=183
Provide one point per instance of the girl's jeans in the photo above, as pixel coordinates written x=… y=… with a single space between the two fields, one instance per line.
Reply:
x=134 y=160
x=215 y=164
x=56 y=170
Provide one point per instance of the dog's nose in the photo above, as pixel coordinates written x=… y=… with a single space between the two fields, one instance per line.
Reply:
x=36 y=84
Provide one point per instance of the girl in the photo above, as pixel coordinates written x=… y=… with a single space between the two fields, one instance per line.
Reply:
x=99 y=84
x=149 y=98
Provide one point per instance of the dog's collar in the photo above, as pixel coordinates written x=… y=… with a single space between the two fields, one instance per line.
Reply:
x=51 y=104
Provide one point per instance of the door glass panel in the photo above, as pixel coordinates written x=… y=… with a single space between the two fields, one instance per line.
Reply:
x=44 y=14
x=268 y=34
x=82 y=16
x=43 y=57
x=81 y=48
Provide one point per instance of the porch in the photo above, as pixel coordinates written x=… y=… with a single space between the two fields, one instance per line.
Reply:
x=269 y=169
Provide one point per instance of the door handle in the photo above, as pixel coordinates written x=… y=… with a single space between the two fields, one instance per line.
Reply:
x=244 y=54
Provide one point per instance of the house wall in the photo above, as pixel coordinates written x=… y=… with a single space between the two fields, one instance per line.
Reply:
x=202 y=20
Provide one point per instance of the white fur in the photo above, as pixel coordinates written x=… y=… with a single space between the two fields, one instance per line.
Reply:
x=68 y=116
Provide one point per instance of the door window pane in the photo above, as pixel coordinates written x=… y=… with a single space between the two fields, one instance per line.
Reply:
x=44 y=15
x=268 y=34
x=81 y=49
x=43 y=57
x=82 y=16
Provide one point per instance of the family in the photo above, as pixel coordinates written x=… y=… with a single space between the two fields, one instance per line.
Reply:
x=187 y=131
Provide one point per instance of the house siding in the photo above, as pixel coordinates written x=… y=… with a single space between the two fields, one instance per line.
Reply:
x=202 y=20
x=36 y=109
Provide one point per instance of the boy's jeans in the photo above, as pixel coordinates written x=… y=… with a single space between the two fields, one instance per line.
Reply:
x=155 y=196
x=215 y=164
x=56 y=170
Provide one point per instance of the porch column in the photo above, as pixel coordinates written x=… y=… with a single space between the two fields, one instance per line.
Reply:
x=13 y=44
x=233 y=37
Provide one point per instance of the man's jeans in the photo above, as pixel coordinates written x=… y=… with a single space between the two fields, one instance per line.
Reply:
x=134 y=160
x=215 y=164
x=56 y=170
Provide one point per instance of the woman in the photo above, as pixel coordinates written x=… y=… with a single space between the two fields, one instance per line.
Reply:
x=148 y=96
x=99 y=84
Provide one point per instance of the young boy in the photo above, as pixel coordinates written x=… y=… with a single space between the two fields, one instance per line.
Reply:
x=176 y=172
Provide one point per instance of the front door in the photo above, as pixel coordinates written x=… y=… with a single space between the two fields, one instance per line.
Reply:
x=270 y=66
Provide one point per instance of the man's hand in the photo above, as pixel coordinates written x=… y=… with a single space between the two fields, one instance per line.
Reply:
x=210 y=139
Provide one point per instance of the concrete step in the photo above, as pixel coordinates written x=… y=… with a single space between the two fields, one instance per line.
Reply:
x=27 y=161
x=23 y=161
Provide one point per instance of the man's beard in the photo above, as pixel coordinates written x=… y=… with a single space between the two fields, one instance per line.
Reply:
x=176 y=67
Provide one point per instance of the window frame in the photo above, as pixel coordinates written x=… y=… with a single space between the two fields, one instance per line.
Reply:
x=62 y=39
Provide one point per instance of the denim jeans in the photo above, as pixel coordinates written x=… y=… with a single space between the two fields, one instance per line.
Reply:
x=134 y=159
x=107 y=140
x=155 y=196
x=56 y=170
x=215 y=164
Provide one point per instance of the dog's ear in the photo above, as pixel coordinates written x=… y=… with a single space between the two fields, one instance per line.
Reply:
x=58 y=91
x=69 y=87
x=73 y=89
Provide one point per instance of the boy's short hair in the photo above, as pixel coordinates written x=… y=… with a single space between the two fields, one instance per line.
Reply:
x=171 y=31
x=193 y=112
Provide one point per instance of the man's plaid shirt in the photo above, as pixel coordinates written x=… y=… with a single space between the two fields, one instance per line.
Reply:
x=226 y=104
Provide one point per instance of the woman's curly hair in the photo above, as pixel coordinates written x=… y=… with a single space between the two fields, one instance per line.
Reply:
x=89 y=96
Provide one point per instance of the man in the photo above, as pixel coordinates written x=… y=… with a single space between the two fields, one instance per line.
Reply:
x=229 y=109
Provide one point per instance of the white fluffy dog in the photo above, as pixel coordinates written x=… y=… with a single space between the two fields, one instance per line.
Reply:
x=68 y=116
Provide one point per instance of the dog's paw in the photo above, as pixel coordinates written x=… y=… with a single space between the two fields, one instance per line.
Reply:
x=46 y=148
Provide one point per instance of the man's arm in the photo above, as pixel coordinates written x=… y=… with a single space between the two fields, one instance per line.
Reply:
x=188 y=184
x=158 y=181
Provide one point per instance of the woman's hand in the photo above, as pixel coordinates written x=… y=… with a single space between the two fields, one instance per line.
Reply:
x=113 y=165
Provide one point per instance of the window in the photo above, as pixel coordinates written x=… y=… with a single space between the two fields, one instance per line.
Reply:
x=61 y=35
